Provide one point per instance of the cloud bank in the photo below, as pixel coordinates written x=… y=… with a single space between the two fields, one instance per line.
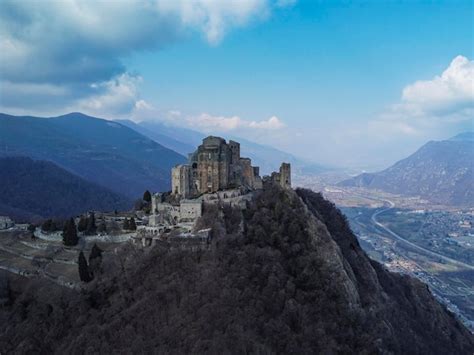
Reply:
x=70 y=53
x=448 y=93
x=207 y=122
x=446 y=99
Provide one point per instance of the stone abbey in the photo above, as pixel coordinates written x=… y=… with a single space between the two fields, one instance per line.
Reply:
x=215 y=173
x=217 y=165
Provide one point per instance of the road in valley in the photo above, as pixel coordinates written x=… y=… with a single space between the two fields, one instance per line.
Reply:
x=415 y=246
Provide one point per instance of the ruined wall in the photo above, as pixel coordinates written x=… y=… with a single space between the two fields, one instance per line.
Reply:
x=283 y=177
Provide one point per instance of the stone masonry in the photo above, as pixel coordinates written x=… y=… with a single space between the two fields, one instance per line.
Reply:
x=216 y=165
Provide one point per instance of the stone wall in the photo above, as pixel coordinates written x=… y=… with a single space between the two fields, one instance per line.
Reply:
x=6 y=222
x=180 y=182
x=215 y=165
x=190 y=210
x=166 y=213
x=283 y=177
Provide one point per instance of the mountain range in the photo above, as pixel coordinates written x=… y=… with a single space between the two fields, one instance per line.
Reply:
x=440 y=171
x=185 y=141
x=33 y=190
x=100 y=151
x=123 y=156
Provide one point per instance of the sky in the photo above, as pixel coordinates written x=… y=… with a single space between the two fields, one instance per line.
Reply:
x=343 y=83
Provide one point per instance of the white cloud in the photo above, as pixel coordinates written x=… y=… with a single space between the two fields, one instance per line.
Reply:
x=272 y=123
x=69 y=45
x=207 y=122
x=427 y=105
x=204 y=122
x=451 y=91
x=214 y=18
x=114 y=98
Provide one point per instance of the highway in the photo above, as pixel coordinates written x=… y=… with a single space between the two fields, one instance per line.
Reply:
x=417 y=247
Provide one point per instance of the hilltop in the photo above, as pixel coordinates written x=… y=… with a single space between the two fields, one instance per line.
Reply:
x=284 y=275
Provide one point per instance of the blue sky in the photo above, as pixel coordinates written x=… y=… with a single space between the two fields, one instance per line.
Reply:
x=350 y=83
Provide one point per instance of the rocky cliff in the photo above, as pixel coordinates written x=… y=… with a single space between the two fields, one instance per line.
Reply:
x=285 y=275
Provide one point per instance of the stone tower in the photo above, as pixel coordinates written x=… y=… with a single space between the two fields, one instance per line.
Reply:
x=180 y=180
x=285 y=175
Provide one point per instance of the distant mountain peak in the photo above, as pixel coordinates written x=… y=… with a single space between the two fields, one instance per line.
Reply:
x=440 y=171
x=464 y=136
x=77 y=114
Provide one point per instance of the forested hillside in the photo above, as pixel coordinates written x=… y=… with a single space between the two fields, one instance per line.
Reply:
x=286 y=275
x=32 y=190
x=100 y=151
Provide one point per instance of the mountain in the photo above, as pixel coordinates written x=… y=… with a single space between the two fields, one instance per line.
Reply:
x=34 y=190
x=104 y=152
x=284 y=276
x=161 y=134
x=440 y=171
x=185 y=141
x=463 y=137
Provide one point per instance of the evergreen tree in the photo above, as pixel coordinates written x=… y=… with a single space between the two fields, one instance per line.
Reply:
x=132 y=225
x=31 y=229
x=95 y=260
x=47 y=225
x=84 y=273
x=96 y=253
x=70 y=233
x=91 y=227
x=102 y=228
x=147 y=196
x=126 y=224
x=82 y=225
